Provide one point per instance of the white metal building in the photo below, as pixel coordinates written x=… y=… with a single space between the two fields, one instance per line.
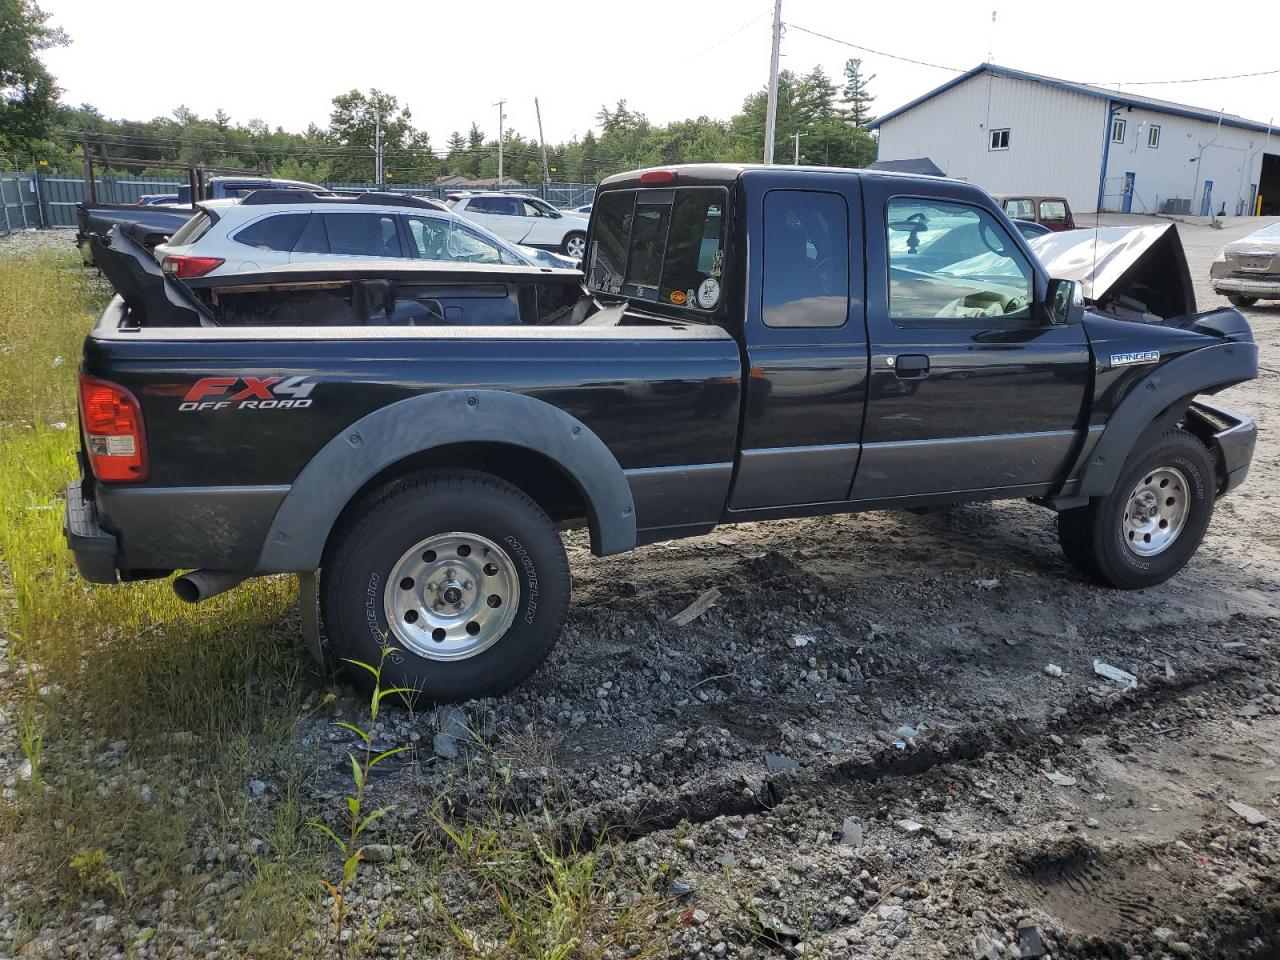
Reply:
x=1012 y=132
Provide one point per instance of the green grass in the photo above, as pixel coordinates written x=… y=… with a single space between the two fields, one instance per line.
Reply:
x=88 y=665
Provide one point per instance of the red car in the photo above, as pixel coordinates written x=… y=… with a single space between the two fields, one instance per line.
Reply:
x=1052 y=212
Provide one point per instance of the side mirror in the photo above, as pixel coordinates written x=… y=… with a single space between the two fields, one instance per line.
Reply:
x=1064 y=301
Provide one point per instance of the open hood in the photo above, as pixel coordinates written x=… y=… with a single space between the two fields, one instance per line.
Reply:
x=1131 y=268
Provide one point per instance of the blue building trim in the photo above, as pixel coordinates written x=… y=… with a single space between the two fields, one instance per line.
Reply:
x=1111 y=111
x=1112 y=98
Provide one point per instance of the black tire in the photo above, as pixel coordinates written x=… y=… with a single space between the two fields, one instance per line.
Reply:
x=1095 y=538
x=361 y=556
x=1239 y=300
x=568 y=241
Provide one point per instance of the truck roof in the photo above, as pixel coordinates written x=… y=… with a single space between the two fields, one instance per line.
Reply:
x=721 y=174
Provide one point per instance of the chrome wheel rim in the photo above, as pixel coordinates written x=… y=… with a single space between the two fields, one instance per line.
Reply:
x=576 y=247
x=1156 y=511
x=451 y=596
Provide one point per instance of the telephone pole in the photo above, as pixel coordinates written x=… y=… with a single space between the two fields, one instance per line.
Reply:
x=771 y=116
x=377 y=151
x=796 y=137
x=546 y=172
x=501 y=116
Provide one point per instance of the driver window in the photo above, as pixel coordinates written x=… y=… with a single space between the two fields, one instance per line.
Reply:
x=437 y=239
x=952 y=261
x=532 y=209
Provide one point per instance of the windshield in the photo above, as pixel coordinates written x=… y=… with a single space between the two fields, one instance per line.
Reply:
x=664 y=246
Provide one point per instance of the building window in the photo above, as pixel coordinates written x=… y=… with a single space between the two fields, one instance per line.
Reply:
x=1000 y=139
x=1117 y=130
x=1153 y=135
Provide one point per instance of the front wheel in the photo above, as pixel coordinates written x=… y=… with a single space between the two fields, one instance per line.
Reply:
x=1239 y=300
x=460 y=572
x=575 y=245
x=1148 y=527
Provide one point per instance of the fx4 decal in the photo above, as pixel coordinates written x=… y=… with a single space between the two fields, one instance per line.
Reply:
x=254 y=393
x=1140 y=356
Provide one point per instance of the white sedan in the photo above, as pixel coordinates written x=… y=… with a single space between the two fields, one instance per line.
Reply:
x=525 y=220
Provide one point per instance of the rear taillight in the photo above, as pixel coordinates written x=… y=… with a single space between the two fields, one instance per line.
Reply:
x=113 y=436
x=184 y=268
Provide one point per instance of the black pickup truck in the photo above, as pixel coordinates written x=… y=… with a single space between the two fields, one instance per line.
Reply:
x=750 y=343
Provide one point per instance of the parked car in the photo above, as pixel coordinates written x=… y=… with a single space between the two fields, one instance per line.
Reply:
x=151 y=224
x=582 y=211
x=271 y=228
x=1029 y=228
x=797 y=365
x=1248 y=270
x=527 y=220
x=1052 y=212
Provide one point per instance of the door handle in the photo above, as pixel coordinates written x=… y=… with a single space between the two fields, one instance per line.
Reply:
x=911 y=366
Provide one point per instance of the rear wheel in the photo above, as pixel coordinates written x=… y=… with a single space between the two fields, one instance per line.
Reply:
x=460 y=572
x=1148 y=527
x=1239 y=300
x=575 y=245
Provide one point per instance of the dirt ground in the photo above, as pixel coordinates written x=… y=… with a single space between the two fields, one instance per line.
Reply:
x=862 y=748
x=887 y=738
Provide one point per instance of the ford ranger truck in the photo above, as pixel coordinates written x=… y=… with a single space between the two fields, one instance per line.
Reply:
x=745 y=343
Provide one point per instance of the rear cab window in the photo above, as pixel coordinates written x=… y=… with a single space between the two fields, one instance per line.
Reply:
x=661 y=246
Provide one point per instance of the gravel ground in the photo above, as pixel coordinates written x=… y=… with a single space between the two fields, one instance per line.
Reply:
x=887 y=737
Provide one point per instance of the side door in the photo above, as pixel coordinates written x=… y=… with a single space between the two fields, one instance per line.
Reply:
x=546 y=228
x=806 y=342
x=327 y=236
x=505 y=216
x=972 y=388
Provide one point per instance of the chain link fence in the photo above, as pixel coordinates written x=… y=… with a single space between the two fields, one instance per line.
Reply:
x=20 y=199
x=49 y=200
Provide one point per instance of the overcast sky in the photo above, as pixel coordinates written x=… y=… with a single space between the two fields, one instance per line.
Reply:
x=670 y=59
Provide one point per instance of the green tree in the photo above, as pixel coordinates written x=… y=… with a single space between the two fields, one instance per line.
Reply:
x=857 y=96
x=353 y=123
x=28 y=93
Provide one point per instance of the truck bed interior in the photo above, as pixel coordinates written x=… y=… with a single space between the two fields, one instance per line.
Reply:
x=417 y=294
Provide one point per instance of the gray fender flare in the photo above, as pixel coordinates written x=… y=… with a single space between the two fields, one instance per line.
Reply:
x=1205 y=370
x=360 y=452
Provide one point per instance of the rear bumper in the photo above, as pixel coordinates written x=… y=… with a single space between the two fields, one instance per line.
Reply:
x=1262 y=288
x=94 y=549
x=1234 y=437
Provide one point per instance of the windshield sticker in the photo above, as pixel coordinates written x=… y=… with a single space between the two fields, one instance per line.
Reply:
x=1141 y=356
x=709 y=294
x=677 y=297
x=717 y=263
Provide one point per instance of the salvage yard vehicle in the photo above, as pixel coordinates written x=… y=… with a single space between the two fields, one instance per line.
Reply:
x=1051 y=212
x=526 y=220
x=752 y=343
x=271 y=228
x=151 y=224
x=1248 y=270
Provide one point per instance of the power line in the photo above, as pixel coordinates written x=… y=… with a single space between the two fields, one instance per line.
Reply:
x=1151 y=83
x=878 y=53
x=1106 y=83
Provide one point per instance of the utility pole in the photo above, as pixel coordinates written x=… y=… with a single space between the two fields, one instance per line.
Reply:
x=796 y=137
x=771 y=117
x=546 y=173
x=501 y=116
x=377 y=150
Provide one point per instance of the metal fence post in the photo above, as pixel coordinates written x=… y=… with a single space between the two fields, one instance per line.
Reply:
x=22 y=204
x=4 y=203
